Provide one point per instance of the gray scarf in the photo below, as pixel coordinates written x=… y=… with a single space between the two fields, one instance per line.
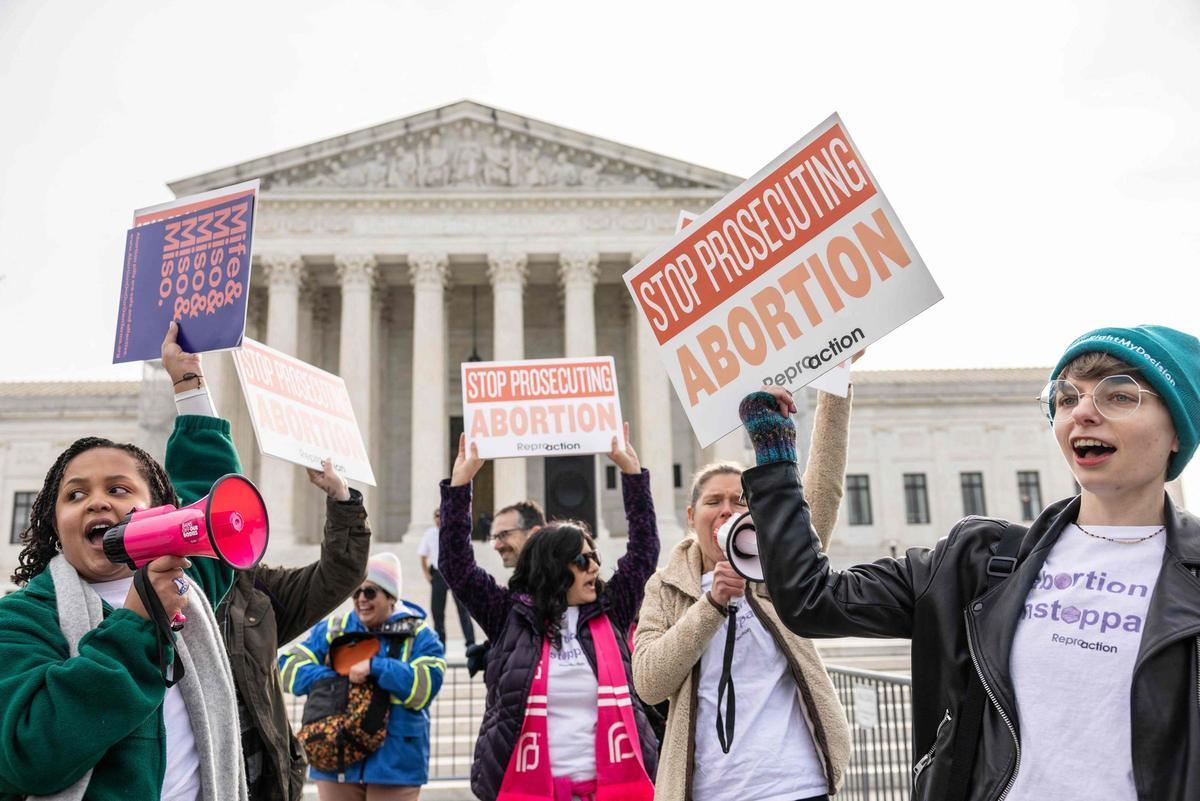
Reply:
x=211 y=703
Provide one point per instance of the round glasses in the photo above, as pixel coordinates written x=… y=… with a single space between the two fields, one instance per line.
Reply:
x=1115 y=397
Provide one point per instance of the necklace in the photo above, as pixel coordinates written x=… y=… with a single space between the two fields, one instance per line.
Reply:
x=1161 y=529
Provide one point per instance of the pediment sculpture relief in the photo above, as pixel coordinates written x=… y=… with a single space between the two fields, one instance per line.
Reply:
x=468 y=156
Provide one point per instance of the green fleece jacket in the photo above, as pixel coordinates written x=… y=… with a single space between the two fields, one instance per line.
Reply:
x=60 y=716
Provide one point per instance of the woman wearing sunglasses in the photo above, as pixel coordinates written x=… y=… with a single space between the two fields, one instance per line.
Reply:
x=1058 y=662
x=560 y=720
x=409 y=665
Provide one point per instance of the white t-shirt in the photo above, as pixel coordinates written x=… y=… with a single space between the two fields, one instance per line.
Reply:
x=182 y=778
x=429 y=546
x=571 y=703
x=1072 y=664
x=773 y=757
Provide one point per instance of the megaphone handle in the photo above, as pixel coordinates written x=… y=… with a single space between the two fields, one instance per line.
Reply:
x=163 y=629
x=725 y=723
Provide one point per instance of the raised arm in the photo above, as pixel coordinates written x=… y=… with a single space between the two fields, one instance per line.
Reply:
x=302 y=596
x=825 y=473
x=872 y=600
x=627 y=586
x=199 y=451
x=484 y=598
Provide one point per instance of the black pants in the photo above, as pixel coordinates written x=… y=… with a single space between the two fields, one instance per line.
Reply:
x=440 y=590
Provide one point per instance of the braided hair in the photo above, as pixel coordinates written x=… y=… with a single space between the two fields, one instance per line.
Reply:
x=40 y=538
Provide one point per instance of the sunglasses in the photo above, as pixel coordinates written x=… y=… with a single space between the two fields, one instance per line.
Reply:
x=581 y=560
x=367 y=592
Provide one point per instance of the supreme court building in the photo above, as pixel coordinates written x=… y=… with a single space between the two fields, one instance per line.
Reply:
x=391 y=255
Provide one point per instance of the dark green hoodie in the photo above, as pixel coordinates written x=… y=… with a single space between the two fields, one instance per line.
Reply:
x=60 y=716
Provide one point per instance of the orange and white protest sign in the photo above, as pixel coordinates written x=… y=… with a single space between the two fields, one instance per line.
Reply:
x=541 y=407
x=685 y=219
x=301 y=413
x=787 y=276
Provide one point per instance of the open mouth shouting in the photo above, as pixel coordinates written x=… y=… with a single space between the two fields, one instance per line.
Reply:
x=95 y=531
x=1090 y=451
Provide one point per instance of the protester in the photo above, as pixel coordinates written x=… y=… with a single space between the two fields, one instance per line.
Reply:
x=410 y=665
x=428 y=551
x=271 y=606
x=1075 y=676
x=791 y=740
x=509 y=530
x=85 y=712
x=513 y=526
x=559 y=720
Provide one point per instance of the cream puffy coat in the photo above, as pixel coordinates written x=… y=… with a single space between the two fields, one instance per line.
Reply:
x=677 y=623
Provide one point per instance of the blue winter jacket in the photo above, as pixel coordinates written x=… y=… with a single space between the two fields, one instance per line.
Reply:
x=413 y=678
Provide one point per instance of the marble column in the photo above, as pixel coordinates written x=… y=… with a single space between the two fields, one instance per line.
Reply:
x=578 y=271
x=430 y=457
x=652 y=429
x=356 y=274
x=507 y=272
x=285 y=275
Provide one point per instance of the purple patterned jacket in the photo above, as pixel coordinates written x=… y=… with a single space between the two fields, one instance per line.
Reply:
x=508 y=620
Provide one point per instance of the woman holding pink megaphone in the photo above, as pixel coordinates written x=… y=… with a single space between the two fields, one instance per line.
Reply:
x=85 y=712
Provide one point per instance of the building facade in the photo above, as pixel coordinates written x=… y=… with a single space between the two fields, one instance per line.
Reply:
x=391 y=255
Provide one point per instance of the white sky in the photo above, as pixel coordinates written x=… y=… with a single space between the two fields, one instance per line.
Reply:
x=1044 y=156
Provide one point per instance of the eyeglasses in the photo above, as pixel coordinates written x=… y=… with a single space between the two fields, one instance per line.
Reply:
x=503 y=535
x=367 y=592
x=581 y=560
x=1115 y=397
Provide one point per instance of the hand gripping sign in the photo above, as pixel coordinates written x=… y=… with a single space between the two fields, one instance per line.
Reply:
x=301 y=413
x=787 y=276
x=188 y=261
x=541 y=407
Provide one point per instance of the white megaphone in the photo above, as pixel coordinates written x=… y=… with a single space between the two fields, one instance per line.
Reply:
x=739 y=540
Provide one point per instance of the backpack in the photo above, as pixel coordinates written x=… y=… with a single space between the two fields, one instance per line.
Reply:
x=344 y=723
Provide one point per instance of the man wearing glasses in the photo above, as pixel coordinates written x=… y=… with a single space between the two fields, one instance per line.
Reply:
x=513 y=526
x=1059 y=662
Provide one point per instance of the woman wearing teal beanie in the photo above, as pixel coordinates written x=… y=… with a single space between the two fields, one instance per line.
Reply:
x=1060 y=661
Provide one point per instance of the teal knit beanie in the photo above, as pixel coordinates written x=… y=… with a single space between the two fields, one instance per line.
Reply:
x=1169 y=360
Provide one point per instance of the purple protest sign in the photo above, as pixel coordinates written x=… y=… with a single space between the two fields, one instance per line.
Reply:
x=187 y=260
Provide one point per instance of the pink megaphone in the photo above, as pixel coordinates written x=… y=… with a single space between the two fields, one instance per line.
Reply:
x=229 y=524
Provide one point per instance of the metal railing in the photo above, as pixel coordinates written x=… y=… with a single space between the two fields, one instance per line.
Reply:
x=878 y=706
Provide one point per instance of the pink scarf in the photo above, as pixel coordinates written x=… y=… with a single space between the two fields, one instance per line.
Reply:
x=620 y=774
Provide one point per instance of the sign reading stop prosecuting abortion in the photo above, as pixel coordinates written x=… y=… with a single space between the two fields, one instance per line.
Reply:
x=301 y=413
x=787 y=276
x=541 y=407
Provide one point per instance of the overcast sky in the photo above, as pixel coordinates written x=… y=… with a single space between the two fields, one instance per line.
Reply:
x=1044 y=156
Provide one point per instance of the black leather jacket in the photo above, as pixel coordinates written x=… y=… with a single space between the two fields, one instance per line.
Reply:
x=936 y=598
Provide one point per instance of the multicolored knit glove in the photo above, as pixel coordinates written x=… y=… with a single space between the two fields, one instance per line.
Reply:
x=772 y=434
